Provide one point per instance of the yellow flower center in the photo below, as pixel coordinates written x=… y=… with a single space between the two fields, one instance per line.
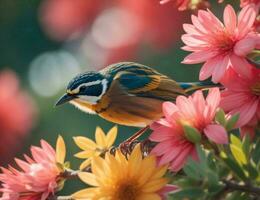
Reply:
x=256 y=89
x=126 y=191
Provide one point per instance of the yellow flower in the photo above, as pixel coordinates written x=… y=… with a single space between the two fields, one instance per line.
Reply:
x=92 y=149
x=119 y=178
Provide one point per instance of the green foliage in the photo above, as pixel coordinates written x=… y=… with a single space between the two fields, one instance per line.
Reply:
x=221 y=174
x=192 y=134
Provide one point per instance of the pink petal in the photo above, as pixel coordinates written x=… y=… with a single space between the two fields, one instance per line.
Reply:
x=168 y=109
x=199 y=102
x=211 y=23
x=220 y=68
x=241 y=66
x=190 y=29
x=246 y=19
x=167 y=189
x=207 y=69
x=213 y=98
x=216 y=133
x=179 y=162
x=186 y=106
x=246 y=112
x=162 y=133
x=198 y=25
x=170 y=155
x=198 y=57
x=230 y=19
x=233 y=100
x=190 y=40
x=244 y=46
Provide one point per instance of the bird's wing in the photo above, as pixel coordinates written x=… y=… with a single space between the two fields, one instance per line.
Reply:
x=135 y=83
x=149 y=85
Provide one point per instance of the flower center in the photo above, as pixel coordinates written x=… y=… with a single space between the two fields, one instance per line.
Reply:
x=224 y=42
x=256 y=89
x=126 y=191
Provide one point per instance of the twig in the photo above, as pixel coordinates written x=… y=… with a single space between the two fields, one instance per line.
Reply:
x=60 y=198
x=243 y=188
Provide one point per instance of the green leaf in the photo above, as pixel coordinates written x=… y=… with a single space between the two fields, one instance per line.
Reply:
x=252 y=169
x=238 y=154
x=192 y=134
x=220 y=117
x=202 y=157
x=256 y=152
x=189 y=193
x=232 y=122
x=233 y=166
x=246 y=145
x=193 y=170
x=235 y=141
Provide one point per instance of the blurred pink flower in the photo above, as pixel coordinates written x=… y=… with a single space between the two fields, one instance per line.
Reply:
x=181 y=4
x=151 y=15
x=194 y=111
x=244 y=3
x=17 y=114
x=187 y=4
x=37 y=179
x=221 y=46
x=242 y=95
x=63 y=19
x=250 y=128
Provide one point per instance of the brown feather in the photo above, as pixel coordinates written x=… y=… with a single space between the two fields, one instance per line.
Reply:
x=135 y=110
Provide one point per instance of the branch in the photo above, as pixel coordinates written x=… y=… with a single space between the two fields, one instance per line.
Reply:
x=243 y=188
x=60 y=198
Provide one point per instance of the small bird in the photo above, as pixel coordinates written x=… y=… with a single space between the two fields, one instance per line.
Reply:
x=125 y=93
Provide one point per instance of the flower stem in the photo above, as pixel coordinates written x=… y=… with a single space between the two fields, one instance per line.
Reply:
x=60 y=198
x=230 y=185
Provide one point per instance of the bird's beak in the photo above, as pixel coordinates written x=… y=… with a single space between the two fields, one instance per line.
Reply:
x=65 y=98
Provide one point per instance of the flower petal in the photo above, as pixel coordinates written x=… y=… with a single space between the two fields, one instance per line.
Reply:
x=230 y=19
x=60 y=150
x=216 y=133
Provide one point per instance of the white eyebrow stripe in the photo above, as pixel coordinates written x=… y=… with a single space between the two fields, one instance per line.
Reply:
x=94 y=99
x=76 y=90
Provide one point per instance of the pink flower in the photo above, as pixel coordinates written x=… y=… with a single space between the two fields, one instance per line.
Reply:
x=244 y=3
x=193 y=111
x=17 y=114
x=181 y=4
x=38 y=177
x=187 y=4
x=242 y=96
x=64 y=19
x=219 y=45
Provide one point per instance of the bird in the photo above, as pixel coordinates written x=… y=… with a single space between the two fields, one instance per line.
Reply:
x=125 y=93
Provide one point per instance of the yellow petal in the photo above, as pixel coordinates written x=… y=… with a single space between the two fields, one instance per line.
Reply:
x=84 y=154
x=154 y=185
x=147 y=169
x=159 y=172
x=135 y=160
x=85 y=143
x=85 y=194
x=97 y=165
x=85 y=164
x=88 y=178
x=60 y=150
x=149 y=196
x=100 y=138
x=111 y=136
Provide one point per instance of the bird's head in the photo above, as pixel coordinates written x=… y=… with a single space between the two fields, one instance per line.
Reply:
x=85 y=88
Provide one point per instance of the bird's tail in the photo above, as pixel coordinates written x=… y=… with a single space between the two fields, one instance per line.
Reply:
x=193 y=86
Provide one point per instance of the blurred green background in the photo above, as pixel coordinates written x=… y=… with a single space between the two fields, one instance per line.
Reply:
x=40 y=43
